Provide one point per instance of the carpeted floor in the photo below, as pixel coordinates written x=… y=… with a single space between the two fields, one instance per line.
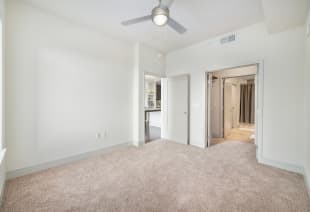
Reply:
x=161 y=176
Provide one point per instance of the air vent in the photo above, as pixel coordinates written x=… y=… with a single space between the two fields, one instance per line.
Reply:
x=228 y=39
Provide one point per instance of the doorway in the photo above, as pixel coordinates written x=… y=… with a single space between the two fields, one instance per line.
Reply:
x=232 y=103
x=166 y=106
x=152 y=107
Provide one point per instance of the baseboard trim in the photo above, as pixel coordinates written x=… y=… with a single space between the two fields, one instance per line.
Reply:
x=28 y=170
x=2 y=193
x=2 y=173
x=307 y=180
x=137 y=143
x=197 y=145
x=280 y=165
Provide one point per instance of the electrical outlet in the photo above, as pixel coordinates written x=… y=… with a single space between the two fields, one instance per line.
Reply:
x=102 y=135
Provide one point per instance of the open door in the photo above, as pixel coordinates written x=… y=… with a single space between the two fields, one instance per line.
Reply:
x=177 y=113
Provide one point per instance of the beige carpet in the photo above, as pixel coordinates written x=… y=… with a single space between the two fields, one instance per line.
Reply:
x=161 y=176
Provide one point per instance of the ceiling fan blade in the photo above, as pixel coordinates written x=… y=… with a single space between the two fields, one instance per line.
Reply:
x=166 y=3
x=176 y=26
x=137 y=20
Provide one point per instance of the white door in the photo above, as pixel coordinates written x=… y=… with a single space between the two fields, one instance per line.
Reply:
x=177 y=112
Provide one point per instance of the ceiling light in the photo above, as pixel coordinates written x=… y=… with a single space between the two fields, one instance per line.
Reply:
x=160 y=20
x=160 y=16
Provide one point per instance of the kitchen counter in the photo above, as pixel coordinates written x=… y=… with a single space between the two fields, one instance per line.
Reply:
x=147 y=110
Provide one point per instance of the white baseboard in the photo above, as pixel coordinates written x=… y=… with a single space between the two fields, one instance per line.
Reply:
x=137 y=143
x=280 y=165
x=2 y=193
x=197 y=145
x=43 y=166
x=307 y=180
x=2 y=174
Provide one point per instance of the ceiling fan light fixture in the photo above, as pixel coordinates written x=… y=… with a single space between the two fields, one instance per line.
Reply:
x=160 y=16
x=160 y=20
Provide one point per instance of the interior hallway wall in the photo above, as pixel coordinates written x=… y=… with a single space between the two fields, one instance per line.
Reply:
x=228 y=104
x=236 y=103
x=216 y=109
x=283 y=55
x=307 y=104
x=2 y=98
x=64 y=84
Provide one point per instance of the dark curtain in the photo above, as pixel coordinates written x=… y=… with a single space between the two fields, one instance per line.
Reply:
x=247 y=102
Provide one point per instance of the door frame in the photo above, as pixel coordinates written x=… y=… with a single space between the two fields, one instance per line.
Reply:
x=259 y=97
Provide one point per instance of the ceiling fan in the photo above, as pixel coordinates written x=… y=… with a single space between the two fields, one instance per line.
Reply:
x=160 y=17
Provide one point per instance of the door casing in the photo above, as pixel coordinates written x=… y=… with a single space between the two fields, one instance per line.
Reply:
x=259 y=94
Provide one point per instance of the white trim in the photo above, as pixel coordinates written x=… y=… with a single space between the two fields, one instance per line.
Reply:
x=280 y=165
x=259 y=110
x=197 y=145
x=159 y=75
x=2 y=173
x=43 y=166
x=2 y=192
x=307 y=180
x=2 y=155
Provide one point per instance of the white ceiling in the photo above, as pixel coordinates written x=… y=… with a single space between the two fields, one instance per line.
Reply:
x=284 y=14
x=203 y=18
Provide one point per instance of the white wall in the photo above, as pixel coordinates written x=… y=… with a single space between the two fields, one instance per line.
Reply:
x=147 y=61
x=64 y=84
x=2 y=51
x=283 y=91
x=307 y=104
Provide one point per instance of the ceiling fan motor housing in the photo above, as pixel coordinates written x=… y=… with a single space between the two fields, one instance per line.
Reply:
x=160 y=11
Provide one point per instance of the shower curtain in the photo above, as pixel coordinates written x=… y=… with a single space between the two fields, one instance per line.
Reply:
x=247 y=102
